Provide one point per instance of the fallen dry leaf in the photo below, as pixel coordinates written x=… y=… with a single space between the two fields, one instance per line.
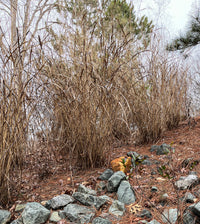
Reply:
x=160 y=179
x=134 y=208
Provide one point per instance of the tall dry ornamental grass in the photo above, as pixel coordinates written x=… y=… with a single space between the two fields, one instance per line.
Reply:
x=13 y=131
x=17 y=104
x=99 y=82
x=158 y=100
x=105 y=84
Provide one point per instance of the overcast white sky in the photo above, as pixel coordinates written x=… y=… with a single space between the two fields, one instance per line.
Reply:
x=172 y=14
x=179 y=11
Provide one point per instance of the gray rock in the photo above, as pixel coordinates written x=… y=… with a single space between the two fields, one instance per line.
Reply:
x=20 y=207
x=189 y=198
x=146 y=214
x=107 y=198
x=125 y=193
x=100 y=220
x=188 y=218
x=62 y=214
x=162 y=149
x=197 y=193
x=164 y=197
x=196 y=209
x=101 y=200
x=79 y=214
x=59 y=201
x=154 y=189
x=154 y=148
x=35 y=213
x=156 y=162
x=86 y=190
x=106 y=174
x=101 y=186
x=186 y=182
x=110 y=217
x=115 y=180
x=89 y=200
x=192 y=173
x=5 y=216
x=117 y=208
x=134 y=154
x=17 y=221
x=147 y=162
x=85 y=199
x=153 y=172
x=134 y=157
x=55 y=217
x=170 y=216
x=154 y=222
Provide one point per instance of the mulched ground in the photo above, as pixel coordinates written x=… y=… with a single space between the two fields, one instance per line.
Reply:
x=45 y=178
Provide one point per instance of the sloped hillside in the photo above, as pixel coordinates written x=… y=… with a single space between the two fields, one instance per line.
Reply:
x=153 y=181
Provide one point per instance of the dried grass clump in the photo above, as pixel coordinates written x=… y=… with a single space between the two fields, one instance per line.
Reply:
x=85 y=112
x=159 y=98
x=13 y=133
x=88 y=93
x=17 y=104
x=107 y=83
x=116 y=90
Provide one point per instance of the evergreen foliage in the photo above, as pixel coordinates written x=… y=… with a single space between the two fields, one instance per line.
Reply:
x=115 y=16
x=190 y=39
x=124 y=16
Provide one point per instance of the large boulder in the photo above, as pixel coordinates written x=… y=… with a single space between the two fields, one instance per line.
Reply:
x=78 y=214
x=125 y=193
x=59 y=201
x=35 y=213
x=115 y=180
x=5 y=216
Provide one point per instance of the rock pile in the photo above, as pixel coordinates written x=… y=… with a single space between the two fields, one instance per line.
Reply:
x=83 y=205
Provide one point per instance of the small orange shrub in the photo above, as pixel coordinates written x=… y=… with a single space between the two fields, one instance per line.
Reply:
x=121 y=164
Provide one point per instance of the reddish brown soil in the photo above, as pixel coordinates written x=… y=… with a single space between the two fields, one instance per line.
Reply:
x=45 y=182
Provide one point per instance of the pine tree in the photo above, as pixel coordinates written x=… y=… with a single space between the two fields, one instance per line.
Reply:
x=190 y=39
x=103 y=18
